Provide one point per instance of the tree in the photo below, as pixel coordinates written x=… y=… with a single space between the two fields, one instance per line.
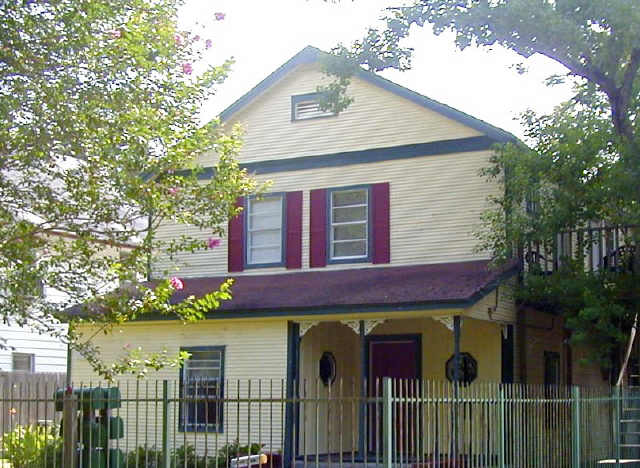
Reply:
x=99 y=131
x=583 y=162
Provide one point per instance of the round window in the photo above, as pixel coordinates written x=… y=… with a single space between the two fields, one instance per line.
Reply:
x=468 y=369
x=327 y=368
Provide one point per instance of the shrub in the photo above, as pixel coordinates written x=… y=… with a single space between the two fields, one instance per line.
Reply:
x=143 y=457
x=33 y=446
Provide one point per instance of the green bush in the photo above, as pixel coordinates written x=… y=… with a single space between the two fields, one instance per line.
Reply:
x=33 y=447
x=143 y=457
x=186 y=456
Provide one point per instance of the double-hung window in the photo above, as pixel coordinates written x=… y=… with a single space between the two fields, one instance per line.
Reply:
x=201 y=389
x=265 y=233
x=349 y=223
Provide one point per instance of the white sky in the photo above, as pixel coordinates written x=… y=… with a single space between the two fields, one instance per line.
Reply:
x=261 y=35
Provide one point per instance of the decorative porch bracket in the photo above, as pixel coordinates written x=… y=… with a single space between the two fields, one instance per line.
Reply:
x=306 y=325
x=369 y=325
x=447 y=321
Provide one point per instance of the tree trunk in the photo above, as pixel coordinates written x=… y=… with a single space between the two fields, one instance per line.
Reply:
x=627 y=354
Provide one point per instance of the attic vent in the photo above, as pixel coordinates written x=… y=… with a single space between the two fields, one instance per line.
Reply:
x=307 y=106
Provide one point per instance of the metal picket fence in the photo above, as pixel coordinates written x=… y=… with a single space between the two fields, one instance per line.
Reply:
x=275 y=423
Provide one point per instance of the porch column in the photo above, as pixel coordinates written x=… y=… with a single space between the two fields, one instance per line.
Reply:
x=293 y=374
x=363 y=376
x=456 y=381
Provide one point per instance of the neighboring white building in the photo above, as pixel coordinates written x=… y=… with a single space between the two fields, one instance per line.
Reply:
x=28 y=351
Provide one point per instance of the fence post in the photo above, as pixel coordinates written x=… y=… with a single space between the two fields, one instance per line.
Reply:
x=575 y=427
x=617 y=415
x=69 y=415
x=387 y=423
x=166 y=462
x=501 y=428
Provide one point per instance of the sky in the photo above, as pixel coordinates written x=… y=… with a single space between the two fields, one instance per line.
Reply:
x=261 y=35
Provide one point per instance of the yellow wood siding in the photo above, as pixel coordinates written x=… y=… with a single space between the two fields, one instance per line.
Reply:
x=436 y=203
x=377 y=118
x=480 y=338
x=253 y=350
x=500 y=309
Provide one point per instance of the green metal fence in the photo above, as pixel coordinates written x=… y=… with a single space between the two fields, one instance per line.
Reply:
x=256 y=422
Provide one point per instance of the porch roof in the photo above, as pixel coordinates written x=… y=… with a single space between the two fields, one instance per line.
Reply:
x=445 y=283
x=442 y=285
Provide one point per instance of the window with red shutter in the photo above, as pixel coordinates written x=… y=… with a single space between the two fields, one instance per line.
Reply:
x=268 y=232
x=350 y=225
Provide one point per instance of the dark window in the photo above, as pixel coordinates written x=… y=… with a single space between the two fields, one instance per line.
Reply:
x=201 y=389
x=551 y=368
x=23 y=362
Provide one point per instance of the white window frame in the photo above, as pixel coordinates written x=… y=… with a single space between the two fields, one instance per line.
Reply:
x=366 y=222
x=201 y=389
x=249 y=231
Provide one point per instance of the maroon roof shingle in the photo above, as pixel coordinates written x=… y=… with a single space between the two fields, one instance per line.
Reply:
x=377 y=286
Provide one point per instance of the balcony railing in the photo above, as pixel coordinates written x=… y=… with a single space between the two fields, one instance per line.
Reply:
x=599 y=247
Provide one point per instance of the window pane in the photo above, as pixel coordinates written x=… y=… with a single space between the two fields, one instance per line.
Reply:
x=257 y=222
x=341 y=215
x=264 y=255
x=270 y=238
x=350 y=231
x=198 y=356
x=349 y=197
x=266 y=206
x=350 y=249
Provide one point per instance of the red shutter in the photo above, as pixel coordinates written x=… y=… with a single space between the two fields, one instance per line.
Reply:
x=318 y=221
x=294 y=230
x=381 y=229
x=235 y=258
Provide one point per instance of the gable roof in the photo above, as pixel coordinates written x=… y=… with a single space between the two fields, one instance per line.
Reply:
x=311 y=54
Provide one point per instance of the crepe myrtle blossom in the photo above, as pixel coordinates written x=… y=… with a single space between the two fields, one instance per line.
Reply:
x=176 y=283
x=173 y=190
x=213 y=242
x=178 y=39
x=219 y=16
x=208 y=44
x=187 y=68
x=196 y=38
x=115 y=34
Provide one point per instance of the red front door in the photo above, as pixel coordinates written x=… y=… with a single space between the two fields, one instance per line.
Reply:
x=397 y=357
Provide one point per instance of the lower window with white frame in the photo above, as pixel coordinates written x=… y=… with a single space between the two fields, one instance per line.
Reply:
x=201 y=389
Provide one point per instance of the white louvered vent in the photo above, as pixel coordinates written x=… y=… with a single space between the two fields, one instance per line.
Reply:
x=309 y=110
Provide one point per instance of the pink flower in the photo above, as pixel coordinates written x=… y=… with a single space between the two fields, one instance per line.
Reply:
x=196 y=37
x=187 y=68
x=115 y=34
x=173 y=190
x=176 y=283
x=219 y=16
x=207 y=44
x=212 y=242
x=178 y=39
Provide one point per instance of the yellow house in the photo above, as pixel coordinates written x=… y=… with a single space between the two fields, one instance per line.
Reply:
x=359 y=264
